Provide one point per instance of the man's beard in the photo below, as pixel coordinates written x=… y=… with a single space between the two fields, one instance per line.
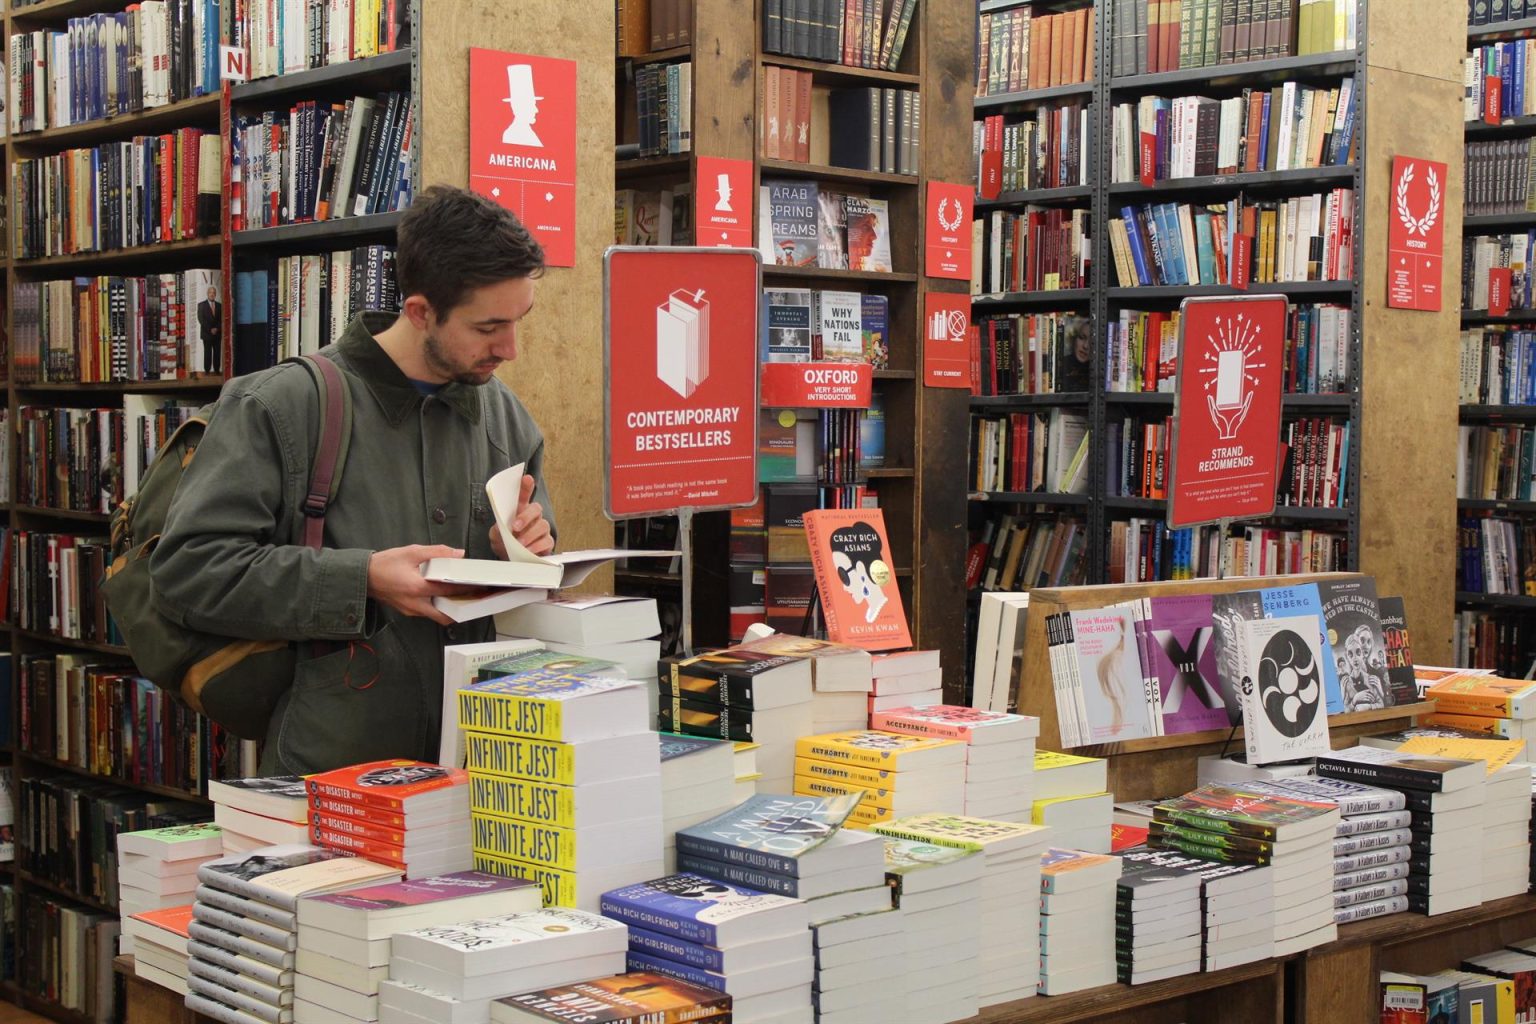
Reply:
x=432 y=352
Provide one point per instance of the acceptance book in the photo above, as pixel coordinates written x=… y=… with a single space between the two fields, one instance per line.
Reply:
x=566 y=708
x=974 y=726
x=279 y=875
x=882 y=750
x=1390 y=768
x=779 y=834
x=633 y=998
x=705 y=911
x=523 y=568
x=376 y=911
x=856 y=578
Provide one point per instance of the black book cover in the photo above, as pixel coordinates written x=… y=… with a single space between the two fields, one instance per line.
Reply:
x=854 y=120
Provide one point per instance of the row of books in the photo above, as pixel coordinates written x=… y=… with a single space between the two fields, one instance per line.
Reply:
x=1049 y=149
x=1498 y=84
x=281 y=38
x=829 y=446
x=1032 y=354
x=92 y=329
x=1020 y=452
x=1041 y=249
x=1494 y=555
x=1498 y=366
x=802 y=224
x=106 y=65
x=653 y=216
x=53 y=585
x=1137 y=465
x=858 y=33
x=69 y=458
x=868 y=128
x=1019 y=49
x=1143 y=550
x=108 y=722
x=1142 y=350
x=1288 y=127
x=321 y=161
x=1020 y=552
x=69 y=954
x=151 y=189
x=1151 y=36
x=803 y=325
x=1495 y=463
x=1482 y=254
x=1492 y=12
x=147 y=424
x=1501 y=640
x=293 y=305
x=664 y=108
x=1304 y=238
x=772 y=532
x=1499 y=177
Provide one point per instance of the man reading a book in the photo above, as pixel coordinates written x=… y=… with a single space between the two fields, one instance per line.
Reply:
x=430 y=425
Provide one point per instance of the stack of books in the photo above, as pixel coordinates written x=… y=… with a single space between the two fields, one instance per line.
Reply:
x=344 y=938
x=1293 y=836
x=1506 y=832
x=841 y=679
x=1008 y=926
x=685 y=920
x=157 y=941
x=1077 y=920
x=1371 y=843
x=636 y=996
x=1237 y=906
x=999 y=753
x=1445 y=797
x=260 y=811
x=1158 y=917
x=1072 y=798
x=747 y=775
x=1485 y=704
x=248 y=903
x=906 y=679
x=1515 y=966
x=623 y=630
x=157 y=868
x=896 y=775
x=745 y=695
x=454 y=972
x=698 y=781
x=565 y=782
x=410 y=815
x=857 y=976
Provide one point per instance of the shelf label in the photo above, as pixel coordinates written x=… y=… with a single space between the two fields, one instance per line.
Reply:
x=232 y=64
x=722 y=211
x=1224 y=461
x=948 y=246
x=680 y=405
x=522 y=143
x=817 y=385
x=946 y=340
x=1416 y=233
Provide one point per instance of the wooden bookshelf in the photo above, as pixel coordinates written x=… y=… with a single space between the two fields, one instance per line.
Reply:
x=197 y=112
x=1252 y=993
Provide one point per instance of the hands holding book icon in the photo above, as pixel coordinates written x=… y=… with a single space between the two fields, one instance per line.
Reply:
x=1229 y=420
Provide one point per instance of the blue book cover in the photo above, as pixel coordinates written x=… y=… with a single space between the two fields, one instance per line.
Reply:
x=695 y=908
x=738 y=874
x=674 y=746
x=1162 y=268
x=767 y=832
x=1206 y=251
x=1304 y=599
x=634 y=961
x=1174 y=242
x=872 y=434
x=691 y=954
x=1139 y=254
x=1264 y=135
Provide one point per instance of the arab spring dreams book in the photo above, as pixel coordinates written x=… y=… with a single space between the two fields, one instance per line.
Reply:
x=769 y=833
x=860 y=599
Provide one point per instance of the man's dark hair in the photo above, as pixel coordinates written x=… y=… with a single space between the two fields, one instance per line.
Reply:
x=452 y=241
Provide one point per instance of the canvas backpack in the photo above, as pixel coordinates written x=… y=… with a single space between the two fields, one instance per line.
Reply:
x=235 y=682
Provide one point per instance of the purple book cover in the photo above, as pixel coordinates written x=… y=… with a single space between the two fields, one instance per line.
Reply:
x=421 y=892
x=1181 y=643
x=687 y=906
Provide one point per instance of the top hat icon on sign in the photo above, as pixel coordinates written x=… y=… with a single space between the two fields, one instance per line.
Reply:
x=525 y=107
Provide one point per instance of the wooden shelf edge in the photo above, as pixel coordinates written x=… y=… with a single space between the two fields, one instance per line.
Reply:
x=183 y=113
x=847 y=72
x=158 y=789
x=1399 y=929
x=64 y=892
x=1197 y=739
x=185 y=247
x=1101 y=1003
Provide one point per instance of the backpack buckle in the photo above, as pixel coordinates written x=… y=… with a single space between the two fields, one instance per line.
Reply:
x=314 y=506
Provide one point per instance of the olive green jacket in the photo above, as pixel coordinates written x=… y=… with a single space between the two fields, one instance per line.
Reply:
x=415 y=473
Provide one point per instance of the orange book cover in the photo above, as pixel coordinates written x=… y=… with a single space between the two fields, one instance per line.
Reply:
x=380 y=853
x=1059 y=45
x=803 y=117
x=787 y=114
x=1040 y=51
x=1086 y=72
x=856 y=578
x=1484 y=695
x=770 y=112
x=388 y=785
x=173 y=919
x=1072 y=71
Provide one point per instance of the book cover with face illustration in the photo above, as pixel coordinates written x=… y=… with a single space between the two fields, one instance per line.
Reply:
x=856 y=579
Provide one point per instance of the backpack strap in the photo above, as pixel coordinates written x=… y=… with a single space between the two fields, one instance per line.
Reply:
x=331 y=450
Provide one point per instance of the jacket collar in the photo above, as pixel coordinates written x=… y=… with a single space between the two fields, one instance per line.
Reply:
x=390 y=387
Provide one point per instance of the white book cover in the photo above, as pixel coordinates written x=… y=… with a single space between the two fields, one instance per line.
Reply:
x=279 y=875
x=841 y=326
x=1112 y=680
x=514 y=940
x=1284 y=707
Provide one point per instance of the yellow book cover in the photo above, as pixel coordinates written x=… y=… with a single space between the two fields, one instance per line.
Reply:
x=1045 y=760
x=817 y=787
x=526 y=841
x=520 y=758
x=1497 y=753
x=548 y=803
x=846 y=774
x=1042 y=807
x=1484 y=695
x=559 y=888
x=542 y=704
x=965 y=833
x=880 y=749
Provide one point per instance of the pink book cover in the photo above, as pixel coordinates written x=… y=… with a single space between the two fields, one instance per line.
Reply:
x=420 y=892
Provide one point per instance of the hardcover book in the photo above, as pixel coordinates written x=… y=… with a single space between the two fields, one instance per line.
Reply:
x=793 y=212
x=1181 y=641
x=856 y=578
x=1359 y=651
x=840 y=326
x=705 y=911
x=869 y=234
x=831 y=230
x=769 y=833
x=630 y=998
x=1399 y=650
x=1283 y=714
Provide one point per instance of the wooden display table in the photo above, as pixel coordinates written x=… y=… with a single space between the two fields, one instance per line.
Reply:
x=1253 y=994
x=144 y=1002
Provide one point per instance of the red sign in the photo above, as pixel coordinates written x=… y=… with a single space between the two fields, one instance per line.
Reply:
x=817 y=385
x=949 y=230
x=1498 y=291
x=1416 y=233
x=1226 y=435
x=522 y=143
x=680 y=347
x=946 y=344
x=722 y=202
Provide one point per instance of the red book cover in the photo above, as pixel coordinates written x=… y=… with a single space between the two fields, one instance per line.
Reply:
x=387 y=785
x=856 y=578
x=1493 y=92
x=992 y=159
x=368 y=849
x=1498 y=291
x=173 y=919
x=1242 y=247
x=973 y=337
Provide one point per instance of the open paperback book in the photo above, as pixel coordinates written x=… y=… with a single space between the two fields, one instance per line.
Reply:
x=523 y=576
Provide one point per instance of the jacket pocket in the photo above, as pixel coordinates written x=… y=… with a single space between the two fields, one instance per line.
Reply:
x=363 y=702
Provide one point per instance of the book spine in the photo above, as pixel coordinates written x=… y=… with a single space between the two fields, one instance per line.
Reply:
x=1369 y=876
x=731 y=855
x=1378 y=908
x=705 y=958
x=505 y=714
x=634 y=961
x=634 y=912
x=245 y=926
x=524 y=841
x=347 y=842
x=1390 y=776
x=254 y=909
x=524 y=799
x=520 y=758
x=737 y=874
x=348 y=809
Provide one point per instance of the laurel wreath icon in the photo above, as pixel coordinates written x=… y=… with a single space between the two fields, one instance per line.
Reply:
x=1418 y=225
x=949 y=223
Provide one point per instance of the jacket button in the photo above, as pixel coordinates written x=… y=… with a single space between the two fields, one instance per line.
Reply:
x=351 y=618
x=439 y=516
x=452 y=632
